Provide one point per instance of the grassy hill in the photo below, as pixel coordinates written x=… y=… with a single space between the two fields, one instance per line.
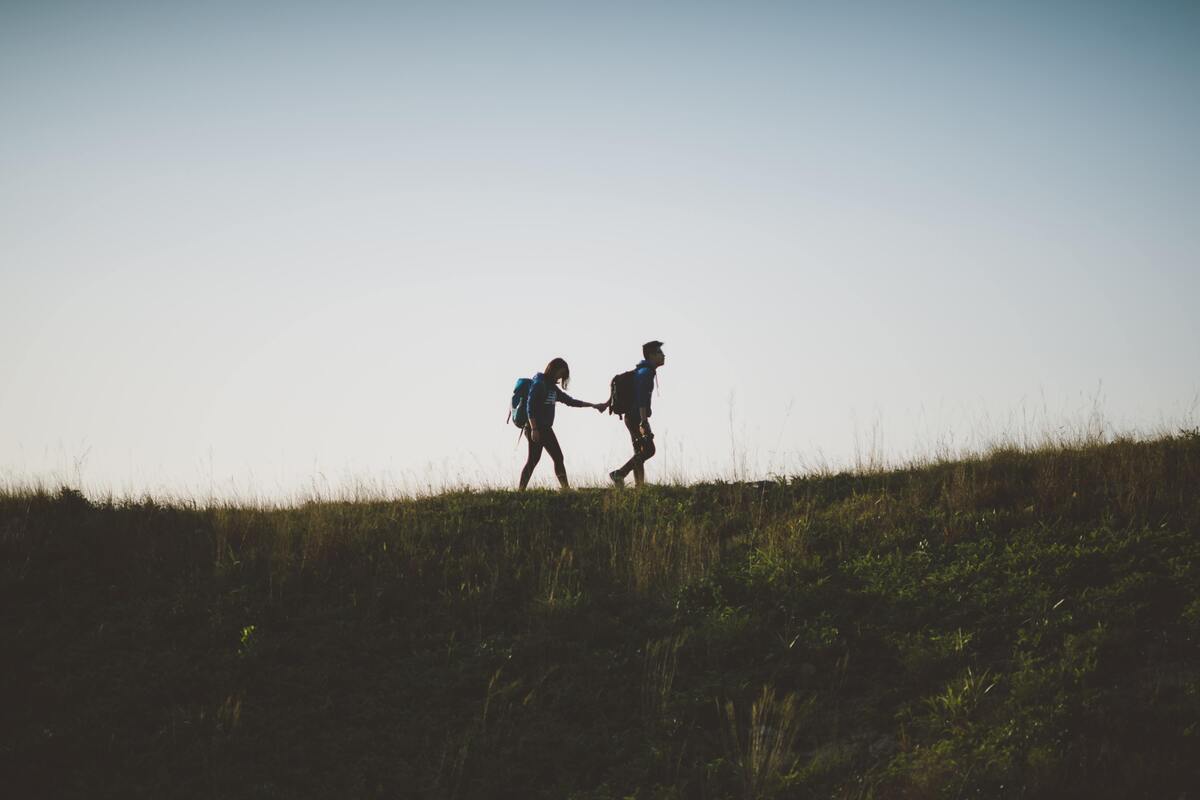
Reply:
x=1019 y=625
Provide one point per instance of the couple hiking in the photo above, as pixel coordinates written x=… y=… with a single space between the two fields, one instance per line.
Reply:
x=629 y=397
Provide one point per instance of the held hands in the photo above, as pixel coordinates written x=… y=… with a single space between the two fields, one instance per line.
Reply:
x=601 y=407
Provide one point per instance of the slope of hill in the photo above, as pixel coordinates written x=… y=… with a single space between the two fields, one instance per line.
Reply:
x=1018 y=625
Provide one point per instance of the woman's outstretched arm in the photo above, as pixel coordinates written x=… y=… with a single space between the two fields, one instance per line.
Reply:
x=567 y=400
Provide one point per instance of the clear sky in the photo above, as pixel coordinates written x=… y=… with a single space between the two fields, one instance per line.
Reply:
x=266 y=248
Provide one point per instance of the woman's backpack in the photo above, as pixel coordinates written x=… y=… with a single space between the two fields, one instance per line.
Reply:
x=519 y=411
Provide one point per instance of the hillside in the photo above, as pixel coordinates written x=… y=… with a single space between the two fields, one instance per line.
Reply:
x=1018 y=625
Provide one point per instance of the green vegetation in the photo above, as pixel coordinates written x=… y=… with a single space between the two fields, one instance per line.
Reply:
x=1025 y=624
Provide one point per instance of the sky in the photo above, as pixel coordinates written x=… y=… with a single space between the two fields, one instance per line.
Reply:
x=273 y=250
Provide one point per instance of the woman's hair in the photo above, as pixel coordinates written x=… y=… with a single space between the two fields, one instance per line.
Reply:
x=559 y=363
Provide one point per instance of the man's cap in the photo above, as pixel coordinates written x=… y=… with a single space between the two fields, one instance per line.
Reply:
x=652 y=346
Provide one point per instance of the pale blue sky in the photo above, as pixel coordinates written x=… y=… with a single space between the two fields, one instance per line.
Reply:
x=308 y=244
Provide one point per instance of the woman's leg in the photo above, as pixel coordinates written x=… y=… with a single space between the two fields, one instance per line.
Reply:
x=535 y=455
x=550 y=442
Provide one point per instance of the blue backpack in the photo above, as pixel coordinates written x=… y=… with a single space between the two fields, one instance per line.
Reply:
x=519 y=412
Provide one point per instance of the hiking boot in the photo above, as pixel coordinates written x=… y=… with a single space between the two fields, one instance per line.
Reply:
x=617 y=478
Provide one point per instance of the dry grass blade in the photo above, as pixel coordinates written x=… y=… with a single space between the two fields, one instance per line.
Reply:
x=762 y=745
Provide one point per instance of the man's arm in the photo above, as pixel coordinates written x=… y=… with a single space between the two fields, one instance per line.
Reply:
x=644 y=385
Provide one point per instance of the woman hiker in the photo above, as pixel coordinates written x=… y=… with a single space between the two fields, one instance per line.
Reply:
x=543 y=394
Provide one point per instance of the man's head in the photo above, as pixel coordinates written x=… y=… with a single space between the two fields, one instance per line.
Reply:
x=652 y=352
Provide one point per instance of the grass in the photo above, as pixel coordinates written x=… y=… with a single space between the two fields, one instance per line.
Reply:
x=1018 y=624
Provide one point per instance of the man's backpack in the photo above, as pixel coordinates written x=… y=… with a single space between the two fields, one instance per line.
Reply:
x=622 y=397
x=519 y=411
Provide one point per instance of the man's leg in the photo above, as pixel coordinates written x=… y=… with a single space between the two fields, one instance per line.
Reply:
x=634 y=464
x=645 y=451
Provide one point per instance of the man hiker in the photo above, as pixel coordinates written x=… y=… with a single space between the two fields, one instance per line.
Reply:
x=637 y=414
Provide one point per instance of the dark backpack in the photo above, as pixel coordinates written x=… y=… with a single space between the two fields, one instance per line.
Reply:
x=622 y=396
x=519 y=411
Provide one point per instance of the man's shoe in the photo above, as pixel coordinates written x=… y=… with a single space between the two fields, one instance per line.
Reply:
x=617 y=478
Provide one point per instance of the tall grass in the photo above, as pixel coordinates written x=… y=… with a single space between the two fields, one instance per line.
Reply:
x=1025 y=618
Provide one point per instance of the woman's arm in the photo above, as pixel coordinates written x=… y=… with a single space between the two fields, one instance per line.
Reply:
x=567 y=400
x=533 y=401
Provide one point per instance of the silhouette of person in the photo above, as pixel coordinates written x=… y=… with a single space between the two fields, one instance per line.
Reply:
x=544 y=393
x=638 y=422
